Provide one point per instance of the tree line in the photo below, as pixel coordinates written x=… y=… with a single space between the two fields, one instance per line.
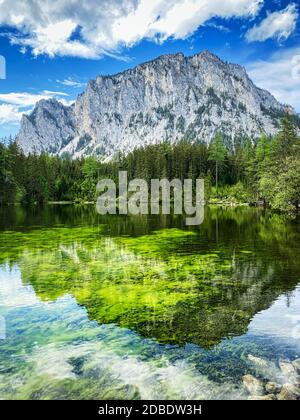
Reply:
x=266 y=170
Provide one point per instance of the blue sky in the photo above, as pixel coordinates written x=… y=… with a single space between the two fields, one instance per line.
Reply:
x=52 y=48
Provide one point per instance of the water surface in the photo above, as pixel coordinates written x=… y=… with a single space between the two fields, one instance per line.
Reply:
x=143 y=307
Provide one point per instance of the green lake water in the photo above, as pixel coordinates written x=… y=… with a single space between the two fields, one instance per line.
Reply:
x=95 y=307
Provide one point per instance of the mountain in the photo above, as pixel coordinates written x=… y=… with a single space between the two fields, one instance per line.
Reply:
x=167 y=99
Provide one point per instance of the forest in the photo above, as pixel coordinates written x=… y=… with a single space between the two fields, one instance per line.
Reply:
x=265 y=171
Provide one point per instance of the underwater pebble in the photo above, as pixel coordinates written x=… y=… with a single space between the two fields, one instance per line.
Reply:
x=253 y=385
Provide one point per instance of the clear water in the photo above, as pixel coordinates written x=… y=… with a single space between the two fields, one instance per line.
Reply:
x=142 y=307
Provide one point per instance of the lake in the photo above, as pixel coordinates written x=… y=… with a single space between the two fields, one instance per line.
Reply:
x=114 y=307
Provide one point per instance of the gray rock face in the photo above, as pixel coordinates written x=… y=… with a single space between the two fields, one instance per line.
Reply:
x=170 y=98
x=50 y=127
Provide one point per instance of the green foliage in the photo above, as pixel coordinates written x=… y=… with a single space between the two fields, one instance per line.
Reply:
x=240 y=193
x=89 y=299
x=279 y=170
x=217 y=153
x=268 y=170
x=7 y=181
x=217 y=149
x=282 y=187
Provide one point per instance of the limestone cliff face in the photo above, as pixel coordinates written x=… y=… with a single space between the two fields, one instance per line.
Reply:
x=170 y=98
x=50 y=127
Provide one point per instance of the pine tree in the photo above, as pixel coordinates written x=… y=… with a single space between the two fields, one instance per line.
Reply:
x=216 y=153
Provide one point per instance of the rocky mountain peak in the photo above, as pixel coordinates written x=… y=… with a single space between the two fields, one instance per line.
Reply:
x=166 y=99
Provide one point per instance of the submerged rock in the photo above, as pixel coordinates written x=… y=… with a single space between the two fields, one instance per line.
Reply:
x=253 y=385
x=258 y=361
x=289 y=372
x=289 y=392
x=296 y=364
x=273 y=388
x=265 y=368
x=262 y=397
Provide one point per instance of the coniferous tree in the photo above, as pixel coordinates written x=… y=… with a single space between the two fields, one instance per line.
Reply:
x=268 y=169
x=217 y=153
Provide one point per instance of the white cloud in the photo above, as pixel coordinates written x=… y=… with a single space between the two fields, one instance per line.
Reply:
x=279 y=25
x=218 y=27
x=67 y=102
x=25 y=99
x=280 y=75
x=14 y=104
x=13 y=293
x=9 y=114
x=54 y=93
x=71 y=83
x=91 y=28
